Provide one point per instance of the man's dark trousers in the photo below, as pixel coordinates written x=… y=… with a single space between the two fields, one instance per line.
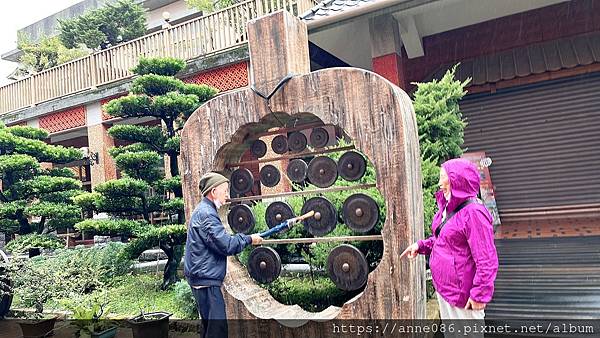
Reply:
x=211 y=307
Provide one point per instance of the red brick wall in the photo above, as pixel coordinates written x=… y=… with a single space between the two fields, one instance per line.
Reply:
x=63 y=120
x=224 y=78
x=548 y=23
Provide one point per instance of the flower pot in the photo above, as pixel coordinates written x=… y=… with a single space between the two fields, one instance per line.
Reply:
x=151 y=325
x=37 y=328
x=34 y=252
x=108 y=333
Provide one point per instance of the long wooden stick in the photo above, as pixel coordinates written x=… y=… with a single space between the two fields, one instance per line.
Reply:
x=303 y=217
x=323 y=239
x=303 y=192
x=290 y=156
x=287 y=224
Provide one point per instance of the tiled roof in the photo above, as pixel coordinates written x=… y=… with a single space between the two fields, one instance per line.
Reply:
x=331 y=7
x=532 y=59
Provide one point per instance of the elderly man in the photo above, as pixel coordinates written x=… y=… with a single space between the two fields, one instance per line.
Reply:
x=206 y=251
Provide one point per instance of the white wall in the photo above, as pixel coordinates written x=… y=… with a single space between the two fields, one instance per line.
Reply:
x=177 y=10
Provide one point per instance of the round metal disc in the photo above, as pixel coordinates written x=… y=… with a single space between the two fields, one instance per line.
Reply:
x=258 y=148
x=325 y=218
x=319 y=137
x=297 y=170
x=278 y=212
x=352 y=166
x=322 y=171
x=241 y=180
x=264 y=264
x=241 y=219
x=297 y=141
x=360 y=212
x=280 y=144
x=269 y=175
x=347 y=267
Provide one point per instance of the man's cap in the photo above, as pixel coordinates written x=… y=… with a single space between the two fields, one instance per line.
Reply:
x=210 y=181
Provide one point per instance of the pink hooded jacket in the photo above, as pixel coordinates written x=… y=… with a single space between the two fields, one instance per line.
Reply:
x=463 y=258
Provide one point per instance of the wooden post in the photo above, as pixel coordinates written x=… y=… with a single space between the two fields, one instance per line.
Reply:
x=377 y=115
x=33 y=89
x=278 y=47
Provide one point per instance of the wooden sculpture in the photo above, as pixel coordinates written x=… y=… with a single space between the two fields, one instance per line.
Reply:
x=377 y=115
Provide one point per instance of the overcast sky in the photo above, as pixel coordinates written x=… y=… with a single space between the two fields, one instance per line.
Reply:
x=18 y=14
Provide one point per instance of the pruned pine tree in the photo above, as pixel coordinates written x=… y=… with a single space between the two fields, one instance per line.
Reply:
x=145 y=190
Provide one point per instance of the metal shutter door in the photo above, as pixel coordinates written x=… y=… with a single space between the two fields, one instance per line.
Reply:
x=544 y=141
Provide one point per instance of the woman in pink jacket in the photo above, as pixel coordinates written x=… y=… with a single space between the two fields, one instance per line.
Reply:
x=463 y=259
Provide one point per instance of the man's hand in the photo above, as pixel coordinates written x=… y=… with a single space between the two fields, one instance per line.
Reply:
x=411 y=251
x=256 y=239
x=473 y=305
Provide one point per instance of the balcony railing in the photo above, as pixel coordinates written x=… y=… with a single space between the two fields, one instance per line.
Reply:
x=209 y=34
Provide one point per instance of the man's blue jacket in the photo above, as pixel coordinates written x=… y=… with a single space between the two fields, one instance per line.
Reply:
x=208 y=245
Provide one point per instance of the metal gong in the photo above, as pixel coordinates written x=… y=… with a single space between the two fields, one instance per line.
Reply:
x=264 y=264
x=278 y=212
x=279 y=144
x=297 y=170
x=325 y=218
x=241 y=181
x=241 y=219
x=269 y=175
x=360 y=212
x=352 y=166
x=319 y=137
x=347 y=267
x=322 y=171
x=258 y=148
x=297 y=141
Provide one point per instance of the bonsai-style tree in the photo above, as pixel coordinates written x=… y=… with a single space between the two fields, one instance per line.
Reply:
x=145 y=190
x=33 y=199
x=441 y=130
x=104 y=27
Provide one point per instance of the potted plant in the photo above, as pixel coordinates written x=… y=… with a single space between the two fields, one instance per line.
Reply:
x=150 y=324
x=91 y=320
x=34 y=291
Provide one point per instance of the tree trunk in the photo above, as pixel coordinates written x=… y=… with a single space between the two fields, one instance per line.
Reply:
x=174 y=168
x=174 y=254
x=145 y=212
x=24 y=226
x=43 y=227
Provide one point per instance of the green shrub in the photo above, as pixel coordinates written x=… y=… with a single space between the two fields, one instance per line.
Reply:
x=34 y=283
x=311 y=294
x=160 y=66
x=25 y=242
x=5 y=282
x=153 y=84
x=74 y=271
x=202 y=91
x=129 y=294
x=111 y=227
x=185 y=299
x=441 y=130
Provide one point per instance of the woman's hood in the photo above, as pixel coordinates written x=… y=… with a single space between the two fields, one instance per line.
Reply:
x=464 y=182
